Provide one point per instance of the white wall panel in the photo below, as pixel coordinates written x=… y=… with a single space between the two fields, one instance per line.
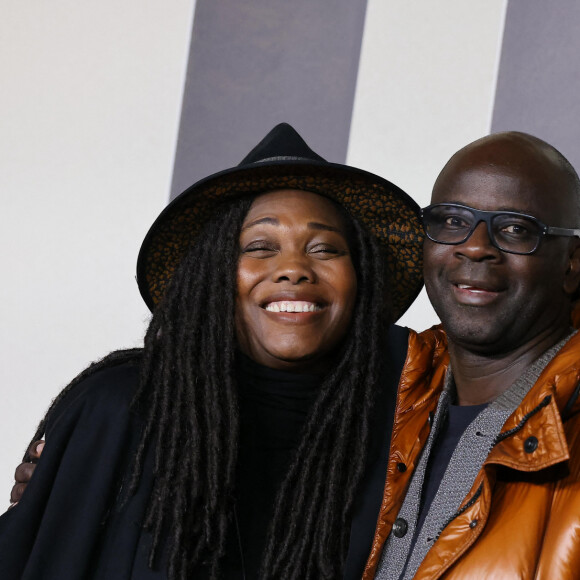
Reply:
x=90 y=97
x=425 y=88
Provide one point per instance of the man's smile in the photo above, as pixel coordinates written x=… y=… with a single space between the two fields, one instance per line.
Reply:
x=476 y=292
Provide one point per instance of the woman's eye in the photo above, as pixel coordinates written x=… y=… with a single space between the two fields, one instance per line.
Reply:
x=325 y=250
x=259 y=248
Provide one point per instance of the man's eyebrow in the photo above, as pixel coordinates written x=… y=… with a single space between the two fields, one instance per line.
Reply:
x=514 y=210
x=497 y=209
x=264 y=220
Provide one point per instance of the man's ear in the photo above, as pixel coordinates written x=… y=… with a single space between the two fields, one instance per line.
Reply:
x=572 y=276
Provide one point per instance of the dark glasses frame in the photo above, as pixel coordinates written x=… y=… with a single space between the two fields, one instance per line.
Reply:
x=487 y=216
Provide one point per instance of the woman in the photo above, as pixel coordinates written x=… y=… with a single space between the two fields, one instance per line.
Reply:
x=249 y=437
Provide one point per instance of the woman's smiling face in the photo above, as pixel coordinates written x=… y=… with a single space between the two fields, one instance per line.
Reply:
x=296 y=281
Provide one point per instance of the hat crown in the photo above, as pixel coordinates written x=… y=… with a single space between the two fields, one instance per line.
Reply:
x=281 y=143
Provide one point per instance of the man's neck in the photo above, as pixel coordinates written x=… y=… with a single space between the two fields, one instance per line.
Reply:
x=481 y=378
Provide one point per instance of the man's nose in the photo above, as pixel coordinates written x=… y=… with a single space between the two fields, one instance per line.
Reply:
x=478 y=246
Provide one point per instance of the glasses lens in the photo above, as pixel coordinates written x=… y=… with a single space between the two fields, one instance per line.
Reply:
x=515 y=233
x=448 y=224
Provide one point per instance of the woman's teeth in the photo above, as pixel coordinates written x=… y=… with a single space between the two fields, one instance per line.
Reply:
x=292 y=307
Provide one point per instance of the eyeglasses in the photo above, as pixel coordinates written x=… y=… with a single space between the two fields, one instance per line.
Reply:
x=509 y=231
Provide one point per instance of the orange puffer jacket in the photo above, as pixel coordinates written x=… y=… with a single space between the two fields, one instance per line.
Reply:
x=521 y=518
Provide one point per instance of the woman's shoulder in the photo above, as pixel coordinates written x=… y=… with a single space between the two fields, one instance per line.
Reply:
x=91 y=437
x=105 y=388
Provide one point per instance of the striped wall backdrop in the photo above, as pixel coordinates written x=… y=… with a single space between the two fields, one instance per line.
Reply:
x=109 y=109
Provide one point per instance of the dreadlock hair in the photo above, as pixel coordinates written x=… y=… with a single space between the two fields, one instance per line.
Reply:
x=188 y=393
x=188 y=396
x=310 y=529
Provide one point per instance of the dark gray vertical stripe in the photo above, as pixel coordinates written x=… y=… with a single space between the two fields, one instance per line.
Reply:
x=538 y=89
x=254 y=63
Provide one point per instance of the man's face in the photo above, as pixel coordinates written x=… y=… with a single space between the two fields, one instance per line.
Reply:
x=490 y=301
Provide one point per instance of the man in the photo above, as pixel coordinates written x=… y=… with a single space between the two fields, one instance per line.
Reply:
x=484 y=469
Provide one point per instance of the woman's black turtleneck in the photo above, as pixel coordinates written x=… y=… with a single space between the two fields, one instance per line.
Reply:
x=273 y=406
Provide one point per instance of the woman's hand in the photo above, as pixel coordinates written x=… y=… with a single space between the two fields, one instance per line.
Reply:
x=24 y=472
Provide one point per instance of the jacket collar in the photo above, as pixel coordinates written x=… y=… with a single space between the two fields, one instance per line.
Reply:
x=533 y=437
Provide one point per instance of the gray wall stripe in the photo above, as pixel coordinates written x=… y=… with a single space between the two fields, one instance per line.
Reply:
x=538 y=84
x=254 y=63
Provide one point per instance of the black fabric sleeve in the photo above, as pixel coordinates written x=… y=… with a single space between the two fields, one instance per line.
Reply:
x=55 y=530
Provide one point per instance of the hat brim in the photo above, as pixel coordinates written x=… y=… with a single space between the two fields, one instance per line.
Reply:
x=387 y=211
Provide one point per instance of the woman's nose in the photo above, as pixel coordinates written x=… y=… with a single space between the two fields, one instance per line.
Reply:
x=294 y=268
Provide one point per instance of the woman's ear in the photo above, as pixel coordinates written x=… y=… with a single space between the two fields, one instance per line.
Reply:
x=572 y=275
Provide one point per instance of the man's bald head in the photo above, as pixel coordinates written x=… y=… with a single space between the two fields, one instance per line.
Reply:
x=551 y=174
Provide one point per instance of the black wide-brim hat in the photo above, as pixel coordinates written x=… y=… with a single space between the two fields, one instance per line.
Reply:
x=282 y=160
